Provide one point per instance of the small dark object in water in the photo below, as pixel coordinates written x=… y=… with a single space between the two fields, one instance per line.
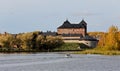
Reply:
x=68 y=55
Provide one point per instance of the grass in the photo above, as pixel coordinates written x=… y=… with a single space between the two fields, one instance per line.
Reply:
x=92 y=51
x=68 y=46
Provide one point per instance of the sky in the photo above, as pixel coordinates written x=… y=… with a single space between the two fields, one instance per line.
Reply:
x=18 y=16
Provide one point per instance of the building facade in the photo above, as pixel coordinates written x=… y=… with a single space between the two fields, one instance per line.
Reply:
x=72 y=29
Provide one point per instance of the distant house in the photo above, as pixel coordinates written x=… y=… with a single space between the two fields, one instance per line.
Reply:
x=68 y=28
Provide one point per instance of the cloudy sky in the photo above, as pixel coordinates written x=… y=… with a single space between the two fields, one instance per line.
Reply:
x=17 y=16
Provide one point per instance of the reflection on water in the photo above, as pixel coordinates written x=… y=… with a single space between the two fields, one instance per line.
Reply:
x=58 y=62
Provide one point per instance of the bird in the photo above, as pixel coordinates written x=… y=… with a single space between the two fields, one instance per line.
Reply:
x=68 y=55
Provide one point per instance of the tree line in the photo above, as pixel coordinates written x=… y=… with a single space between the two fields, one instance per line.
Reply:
x=29 y=41
x=109 y=40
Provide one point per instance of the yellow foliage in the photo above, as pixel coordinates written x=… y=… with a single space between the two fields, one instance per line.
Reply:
x=110 y=40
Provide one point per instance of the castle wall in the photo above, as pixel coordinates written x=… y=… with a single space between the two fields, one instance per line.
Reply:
x=71 y=31
x=72 y=38
x=92 y=44
x=88 y=43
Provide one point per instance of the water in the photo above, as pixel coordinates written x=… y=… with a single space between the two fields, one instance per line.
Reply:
x=58 y=62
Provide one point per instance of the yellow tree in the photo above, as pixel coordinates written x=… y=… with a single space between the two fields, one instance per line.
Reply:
x=102 y=40
x=39 y=42
x=6 y=40
x=112 y=42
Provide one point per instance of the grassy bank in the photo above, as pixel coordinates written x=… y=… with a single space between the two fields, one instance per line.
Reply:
x=68 y=47
x=92 y=51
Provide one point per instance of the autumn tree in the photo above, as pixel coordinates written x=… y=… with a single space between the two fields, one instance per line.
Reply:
x=102 y=40
x=110 y=40
x=30 y=41
x=53 y=42
x=40 y=41
x=6 y=41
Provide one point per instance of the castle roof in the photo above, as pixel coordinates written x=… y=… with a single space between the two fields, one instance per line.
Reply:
x=67 y=24
x=83 y=22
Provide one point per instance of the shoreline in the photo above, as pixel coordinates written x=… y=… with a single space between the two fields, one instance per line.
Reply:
x=86 y=52
x=99 y=52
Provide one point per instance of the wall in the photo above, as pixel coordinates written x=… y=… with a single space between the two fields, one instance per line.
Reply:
x=92 y=44
x=71 y=31
x=70 y=38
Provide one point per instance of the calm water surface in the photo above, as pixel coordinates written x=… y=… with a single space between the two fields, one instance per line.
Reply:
x=58 y=62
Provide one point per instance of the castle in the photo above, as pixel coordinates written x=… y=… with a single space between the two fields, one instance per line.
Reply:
x=68 y=28
x=76 y=33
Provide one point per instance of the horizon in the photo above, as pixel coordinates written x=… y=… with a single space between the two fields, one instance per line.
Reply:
x=46 y=15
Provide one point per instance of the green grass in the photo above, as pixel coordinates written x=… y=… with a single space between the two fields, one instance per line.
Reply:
x=68 y=46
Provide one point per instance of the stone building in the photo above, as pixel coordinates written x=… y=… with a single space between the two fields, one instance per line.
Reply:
x=68 y=28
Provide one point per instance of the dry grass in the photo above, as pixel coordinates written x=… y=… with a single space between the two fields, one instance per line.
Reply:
x=98 y=52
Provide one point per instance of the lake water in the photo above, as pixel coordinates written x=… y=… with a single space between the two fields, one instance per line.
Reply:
x=58 y=62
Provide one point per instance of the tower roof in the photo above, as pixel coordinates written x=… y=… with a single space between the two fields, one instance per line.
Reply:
x=83 y=22
x=67 y=24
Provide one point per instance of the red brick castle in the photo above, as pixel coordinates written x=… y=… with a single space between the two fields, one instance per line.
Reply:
x=72 y=29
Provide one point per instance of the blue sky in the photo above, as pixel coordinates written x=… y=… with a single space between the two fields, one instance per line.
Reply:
x=17 y=16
